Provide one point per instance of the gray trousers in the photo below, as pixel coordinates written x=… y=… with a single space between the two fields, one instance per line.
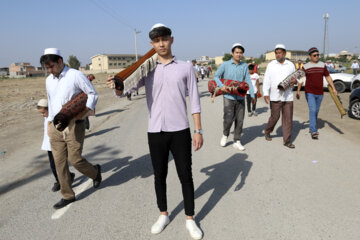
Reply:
x=234 y=111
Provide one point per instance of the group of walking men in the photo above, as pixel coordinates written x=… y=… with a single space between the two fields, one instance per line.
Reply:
x=168 y=126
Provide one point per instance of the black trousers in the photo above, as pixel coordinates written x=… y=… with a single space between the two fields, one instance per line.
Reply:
x=249 y=103
x=52 y=165
x=179 y=144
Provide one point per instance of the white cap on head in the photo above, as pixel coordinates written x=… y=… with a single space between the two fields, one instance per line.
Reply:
x=237 y=45
x=53 y=51
x=43 y=103
x=281 y=46
x=157 y=25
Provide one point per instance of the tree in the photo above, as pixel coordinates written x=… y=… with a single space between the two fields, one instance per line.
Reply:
x=227 y=56
x=87 y=67
x=73 y=62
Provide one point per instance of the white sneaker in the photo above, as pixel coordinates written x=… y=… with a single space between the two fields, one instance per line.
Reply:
x=255 y=113
x=160 y=224
x=238 y=146
x=250 y=114
x=223 y=141
x=193 y=229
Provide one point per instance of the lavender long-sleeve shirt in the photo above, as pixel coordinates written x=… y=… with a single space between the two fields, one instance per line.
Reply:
x=166 y=88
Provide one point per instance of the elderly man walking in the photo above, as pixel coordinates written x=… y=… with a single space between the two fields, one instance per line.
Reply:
x=280 y=101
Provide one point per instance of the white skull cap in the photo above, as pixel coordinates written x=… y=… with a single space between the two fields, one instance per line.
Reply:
x=237 y=45
x=157 y=25
x=43 y=103
x=53 y=51
x=282 y=46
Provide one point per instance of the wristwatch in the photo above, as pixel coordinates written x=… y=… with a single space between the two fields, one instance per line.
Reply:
x=199 y=131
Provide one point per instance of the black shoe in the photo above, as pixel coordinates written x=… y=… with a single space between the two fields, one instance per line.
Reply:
x=56 y=187
x=97 y=180
x=72 y=175
x=63 y=202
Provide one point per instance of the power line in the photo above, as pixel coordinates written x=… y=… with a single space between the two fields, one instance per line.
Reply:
x=111 y=12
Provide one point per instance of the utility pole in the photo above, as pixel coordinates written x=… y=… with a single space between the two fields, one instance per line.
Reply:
x=136 y=51
x=326 y=18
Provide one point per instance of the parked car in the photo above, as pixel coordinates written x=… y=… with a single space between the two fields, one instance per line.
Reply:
x=355 y=82
x=354 y=104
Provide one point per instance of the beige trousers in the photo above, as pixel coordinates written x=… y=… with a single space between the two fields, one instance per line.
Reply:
x=68 y=146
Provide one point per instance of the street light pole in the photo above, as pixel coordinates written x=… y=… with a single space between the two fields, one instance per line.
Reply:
x=136 y=51
x=326 y=18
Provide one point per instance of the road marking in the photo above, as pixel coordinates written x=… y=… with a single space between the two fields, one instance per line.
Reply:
x=78 y=190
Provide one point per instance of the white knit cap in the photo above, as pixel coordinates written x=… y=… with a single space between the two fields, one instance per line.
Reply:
x=157 y=25
x=43 y=103
x=281 y=46
x=53 y=51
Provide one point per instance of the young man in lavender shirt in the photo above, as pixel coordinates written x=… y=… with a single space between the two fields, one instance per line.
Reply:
x=168 y=127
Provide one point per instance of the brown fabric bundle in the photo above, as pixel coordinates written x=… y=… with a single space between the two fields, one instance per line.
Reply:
x=69 y=111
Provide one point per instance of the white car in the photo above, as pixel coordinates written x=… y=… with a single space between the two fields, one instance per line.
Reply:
x=342 y=81
x=355 y=82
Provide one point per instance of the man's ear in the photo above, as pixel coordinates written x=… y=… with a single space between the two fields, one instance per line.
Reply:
x=172 y=40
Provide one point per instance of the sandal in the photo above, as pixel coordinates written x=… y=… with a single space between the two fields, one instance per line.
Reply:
x=289 y=145
x=315 y=135
x=267 y=137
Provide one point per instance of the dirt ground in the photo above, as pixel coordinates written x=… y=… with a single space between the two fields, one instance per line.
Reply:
x=20 y=124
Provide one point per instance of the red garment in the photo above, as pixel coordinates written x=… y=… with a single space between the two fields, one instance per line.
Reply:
x=314 y=78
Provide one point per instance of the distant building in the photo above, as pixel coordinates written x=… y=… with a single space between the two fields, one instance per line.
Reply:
x=4 y=72
x=346 y=54
x=24 y=69
x=105 y=62
x=334 y=55
x=218 y=60
x=293 y=55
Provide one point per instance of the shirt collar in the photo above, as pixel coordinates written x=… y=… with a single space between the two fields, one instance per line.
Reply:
x=232 y=61
x=285 y=62
x=174 y=60
x=63 y=72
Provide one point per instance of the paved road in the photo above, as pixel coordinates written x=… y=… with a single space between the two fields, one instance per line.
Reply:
x=265 y=192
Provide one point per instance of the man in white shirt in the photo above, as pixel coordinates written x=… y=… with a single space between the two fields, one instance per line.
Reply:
x=355 y=67
x=62 y=85
x=276 y=71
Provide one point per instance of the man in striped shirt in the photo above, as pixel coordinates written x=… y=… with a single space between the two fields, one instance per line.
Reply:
x=314 y=89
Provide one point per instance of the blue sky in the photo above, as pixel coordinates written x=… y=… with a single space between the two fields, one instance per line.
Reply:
x=85 y=28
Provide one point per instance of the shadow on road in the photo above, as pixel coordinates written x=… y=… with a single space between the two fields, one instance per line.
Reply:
x=39 y=168
x=123 y=170
x=100 y=132
x=321 y=124
x=262 y=110
x=250 y=133
x=109 y=112
x=221 y=177
x=296 y=128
